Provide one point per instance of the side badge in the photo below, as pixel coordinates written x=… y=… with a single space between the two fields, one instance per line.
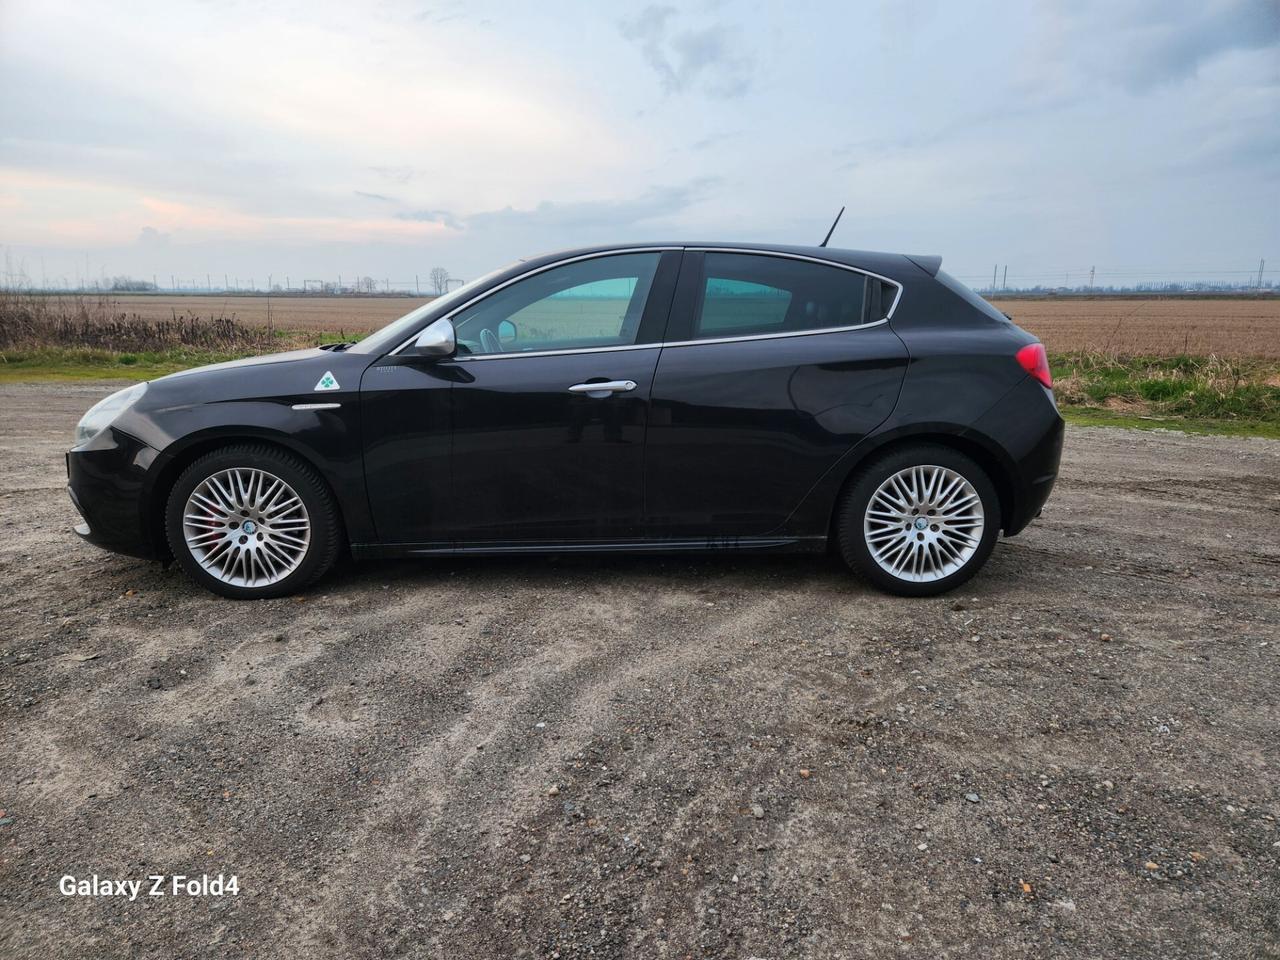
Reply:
x=327 y=382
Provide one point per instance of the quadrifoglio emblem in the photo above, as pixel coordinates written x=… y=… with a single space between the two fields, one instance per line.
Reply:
x=154 y=885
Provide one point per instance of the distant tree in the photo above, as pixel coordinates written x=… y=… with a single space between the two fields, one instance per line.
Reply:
x=130 y=285
x=439 y=279
x=367 y=285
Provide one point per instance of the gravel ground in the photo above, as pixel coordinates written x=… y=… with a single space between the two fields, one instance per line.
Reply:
x=1077 y=756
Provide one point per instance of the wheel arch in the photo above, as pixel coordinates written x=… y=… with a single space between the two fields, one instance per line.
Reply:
x=169 y=466
x=980 y=449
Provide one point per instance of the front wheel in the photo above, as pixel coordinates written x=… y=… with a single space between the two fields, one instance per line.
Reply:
x=250 y=521
x=919 y=521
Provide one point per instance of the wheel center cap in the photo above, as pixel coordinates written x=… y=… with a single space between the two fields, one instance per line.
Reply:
x=921 y=523
x=249 y=526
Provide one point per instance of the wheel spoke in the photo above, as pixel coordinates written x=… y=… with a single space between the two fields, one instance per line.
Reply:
x=246 y=527
x=924 y=523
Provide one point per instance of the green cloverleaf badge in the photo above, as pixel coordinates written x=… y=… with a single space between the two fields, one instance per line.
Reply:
x=328 y=382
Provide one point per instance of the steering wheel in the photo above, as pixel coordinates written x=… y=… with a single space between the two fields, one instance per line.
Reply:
x=489 y=341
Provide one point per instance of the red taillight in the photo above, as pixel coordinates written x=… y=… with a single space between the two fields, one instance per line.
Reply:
x=1036 y=362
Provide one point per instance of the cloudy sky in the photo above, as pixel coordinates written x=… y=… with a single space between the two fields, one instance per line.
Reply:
x=320 y=138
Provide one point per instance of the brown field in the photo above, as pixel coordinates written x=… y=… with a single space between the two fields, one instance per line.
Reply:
x=1227 y=327
x=331 y=314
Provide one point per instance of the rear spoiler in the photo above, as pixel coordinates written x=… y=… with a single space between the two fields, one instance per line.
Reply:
x=929 y=265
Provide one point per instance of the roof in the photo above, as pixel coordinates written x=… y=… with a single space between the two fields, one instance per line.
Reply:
x=891 y=265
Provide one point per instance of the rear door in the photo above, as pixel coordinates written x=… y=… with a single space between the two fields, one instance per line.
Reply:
x=774 y=367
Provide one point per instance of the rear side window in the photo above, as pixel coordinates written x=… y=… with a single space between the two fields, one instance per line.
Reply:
x=969 y=297
x=748 y=294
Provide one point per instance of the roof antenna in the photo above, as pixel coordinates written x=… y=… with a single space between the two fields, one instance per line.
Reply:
x=833 y=228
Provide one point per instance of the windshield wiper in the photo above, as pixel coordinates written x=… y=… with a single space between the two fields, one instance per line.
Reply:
x=336 y=347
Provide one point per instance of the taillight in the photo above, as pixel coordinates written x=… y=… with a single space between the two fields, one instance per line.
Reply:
x=1036 y=362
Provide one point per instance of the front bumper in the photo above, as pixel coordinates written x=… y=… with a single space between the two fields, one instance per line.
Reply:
x=1026 y=424
x=106 y=479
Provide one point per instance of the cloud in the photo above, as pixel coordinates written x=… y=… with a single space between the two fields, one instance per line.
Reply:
x=1154 y=42
x=374 y=196
x=686 y=59
x=151 y=237
x=616 y=215
x=442 y=217
x=394 y=174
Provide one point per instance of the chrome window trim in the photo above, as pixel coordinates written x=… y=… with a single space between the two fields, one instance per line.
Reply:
x=673 y=343
x=774 y=336
x=669 y=343
x=472 y=357
x=531 y=273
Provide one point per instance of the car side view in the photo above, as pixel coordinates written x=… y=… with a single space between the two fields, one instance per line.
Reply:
x=647 y=397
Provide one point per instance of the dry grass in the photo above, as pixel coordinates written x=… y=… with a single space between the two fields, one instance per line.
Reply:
x=1167 y=327
x=100 y=323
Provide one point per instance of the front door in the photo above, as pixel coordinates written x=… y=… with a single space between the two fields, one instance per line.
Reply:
x=550 y=401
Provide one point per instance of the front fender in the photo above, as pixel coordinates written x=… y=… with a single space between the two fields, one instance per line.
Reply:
x=328 y=439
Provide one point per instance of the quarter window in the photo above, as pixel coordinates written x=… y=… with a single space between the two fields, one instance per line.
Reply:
x=590 y=303
x=747 y=294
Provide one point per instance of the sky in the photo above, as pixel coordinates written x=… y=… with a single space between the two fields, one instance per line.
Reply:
x=316 y=139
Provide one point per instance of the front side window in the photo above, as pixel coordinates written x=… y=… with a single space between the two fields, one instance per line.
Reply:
x=749 y=294
x=589 y=303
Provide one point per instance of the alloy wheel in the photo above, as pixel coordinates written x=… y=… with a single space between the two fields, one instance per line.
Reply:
x=923 y=523
x=246 y=527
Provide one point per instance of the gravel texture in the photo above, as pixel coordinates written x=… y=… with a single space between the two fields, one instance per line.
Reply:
x=1076 y=756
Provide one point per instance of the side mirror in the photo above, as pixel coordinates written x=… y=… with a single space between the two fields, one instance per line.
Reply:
x=436 y=342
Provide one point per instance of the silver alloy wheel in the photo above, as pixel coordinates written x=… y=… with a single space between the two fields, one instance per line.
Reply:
x=923 y=523
x=246 y=527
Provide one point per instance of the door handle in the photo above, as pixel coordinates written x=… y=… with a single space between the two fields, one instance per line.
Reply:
x=600 y=390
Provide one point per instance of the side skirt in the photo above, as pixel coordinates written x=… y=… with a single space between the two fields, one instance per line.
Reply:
x=372 y=551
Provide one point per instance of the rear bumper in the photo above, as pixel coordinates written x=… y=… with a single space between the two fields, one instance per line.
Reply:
x=106 y=480
x=1026 y=424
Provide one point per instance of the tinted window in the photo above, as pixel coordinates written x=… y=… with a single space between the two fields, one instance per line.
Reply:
x=745 y=294
x=590 y=303
x=971 y=298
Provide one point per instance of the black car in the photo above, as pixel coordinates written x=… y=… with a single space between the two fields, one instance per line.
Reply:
x=648 y=397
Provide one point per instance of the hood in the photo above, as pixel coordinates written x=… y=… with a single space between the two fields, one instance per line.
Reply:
x=295 y=376
x=288 y=356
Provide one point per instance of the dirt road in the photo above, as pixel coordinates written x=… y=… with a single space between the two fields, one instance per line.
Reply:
x=1078 y=756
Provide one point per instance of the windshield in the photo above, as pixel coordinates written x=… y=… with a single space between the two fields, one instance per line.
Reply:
x=393 y=333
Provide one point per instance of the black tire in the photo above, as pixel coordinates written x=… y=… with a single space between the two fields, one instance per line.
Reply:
x=852 y=540
x=326 y=535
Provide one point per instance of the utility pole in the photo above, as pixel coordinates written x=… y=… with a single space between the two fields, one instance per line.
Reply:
x=994 y=268
x=208 y=282
x=225 y=285
x=286 y=282
x=1262 y=264
x=416 y=289
x=1091 y=269
x=171 y=285
x=1004 y=280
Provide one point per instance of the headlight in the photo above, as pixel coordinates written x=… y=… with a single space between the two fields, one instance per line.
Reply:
x=103 y=412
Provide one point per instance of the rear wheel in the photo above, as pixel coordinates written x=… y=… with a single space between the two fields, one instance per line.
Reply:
x=250 y=521
x=919 y=521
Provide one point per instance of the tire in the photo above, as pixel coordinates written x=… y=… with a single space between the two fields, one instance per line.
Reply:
x=250 y=521
x=930 y=553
